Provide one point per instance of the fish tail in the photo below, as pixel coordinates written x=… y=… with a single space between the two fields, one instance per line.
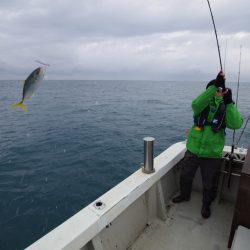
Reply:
x=22 y=105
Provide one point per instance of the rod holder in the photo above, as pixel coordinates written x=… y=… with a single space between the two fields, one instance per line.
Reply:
x=148 y=166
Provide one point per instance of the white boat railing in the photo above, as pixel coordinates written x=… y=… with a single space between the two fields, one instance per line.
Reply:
x=78 y=230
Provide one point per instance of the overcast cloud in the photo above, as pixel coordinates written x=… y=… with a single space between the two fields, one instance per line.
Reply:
x=132 y=39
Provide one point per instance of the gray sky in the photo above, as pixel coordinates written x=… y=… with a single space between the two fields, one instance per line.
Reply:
x=129 y=39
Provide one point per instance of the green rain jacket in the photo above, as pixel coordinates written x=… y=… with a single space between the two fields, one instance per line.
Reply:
x=207 y=143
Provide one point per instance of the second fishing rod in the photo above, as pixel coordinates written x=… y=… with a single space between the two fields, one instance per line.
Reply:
x=232 y=156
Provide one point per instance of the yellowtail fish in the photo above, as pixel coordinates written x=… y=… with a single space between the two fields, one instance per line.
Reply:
x=30 y=86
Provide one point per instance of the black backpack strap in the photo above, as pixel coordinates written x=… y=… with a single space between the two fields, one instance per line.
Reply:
x=219 y=118
x=201 y=120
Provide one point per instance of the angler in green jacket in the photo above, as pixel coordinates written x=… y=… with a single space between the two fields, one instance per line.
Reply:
x=214 y=110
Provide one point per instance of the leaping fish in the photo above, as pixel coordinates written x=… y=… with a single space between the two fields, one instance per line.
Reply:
x=30 y=86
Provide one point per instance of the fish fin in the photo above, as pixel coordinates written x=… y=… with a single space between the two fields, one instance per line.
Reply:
x=20 y=104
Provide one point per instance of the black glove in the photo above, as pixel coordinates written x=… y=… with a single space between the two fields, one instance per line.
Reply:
x=220 y=81
x=228 y=97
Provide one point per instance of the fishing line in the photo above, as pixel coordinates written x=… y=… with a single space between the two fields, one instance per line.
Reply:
x=215 y=33
x=45 y=64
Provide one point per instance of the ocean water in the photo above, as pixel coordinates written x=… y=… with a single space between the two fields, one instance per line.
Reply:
x=78 y=140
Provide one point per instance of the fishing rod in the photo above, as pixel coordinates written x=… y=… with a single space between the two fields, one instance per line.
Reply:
x=237 y=96
x=218 y=47
x=238 y=85
x=231 y=156
x=243 y=130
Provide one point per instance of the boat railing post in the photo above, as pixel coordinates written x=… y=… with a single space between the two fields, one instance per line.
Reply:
x=148 y=166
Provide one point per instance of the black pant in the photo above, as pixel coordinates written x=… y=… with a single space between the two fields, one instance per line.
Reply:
x=210 y=170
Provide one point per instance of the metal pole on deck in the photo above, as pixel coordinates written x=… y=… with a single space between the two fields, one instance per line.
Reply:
x=148 y=166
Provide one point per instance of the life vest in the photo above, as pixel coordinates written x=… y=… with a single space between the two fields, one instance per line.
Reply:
x=218 y=121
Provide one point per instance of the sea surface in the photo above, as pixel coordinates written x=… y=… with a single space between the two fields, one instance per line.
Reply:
x=79 y=139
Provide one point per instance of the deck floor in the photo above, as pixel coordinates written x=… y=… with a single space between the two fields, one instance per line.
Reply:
x=186 y=229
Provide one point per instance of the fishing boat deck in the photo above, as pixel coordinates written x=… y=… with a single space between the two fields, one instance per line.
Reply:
x=186 y=229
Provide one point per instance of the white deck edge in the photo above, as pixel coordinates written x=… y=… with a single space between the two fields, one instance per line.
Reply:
x=241 y=151
x=241 y=239
x=78 y=230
